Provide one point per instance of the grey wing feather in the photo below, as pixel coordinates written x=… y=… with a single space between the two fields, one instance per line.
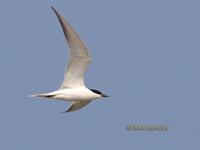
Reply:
x=79 y=56
x=76 y=105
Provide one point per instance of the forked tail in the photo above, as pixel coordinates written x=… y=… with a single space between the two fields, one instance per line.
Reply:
x=43 y=95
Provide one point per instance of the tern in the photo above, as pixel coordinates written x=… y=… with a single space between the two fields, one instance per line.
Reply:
x=73 y=88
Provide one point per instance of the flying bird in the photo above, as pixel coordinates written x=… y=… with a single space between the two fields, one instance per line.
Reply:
x=73 y=88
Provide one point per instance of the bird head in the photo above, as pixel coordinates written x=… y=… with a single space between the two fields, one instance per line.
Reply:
x=99 y=93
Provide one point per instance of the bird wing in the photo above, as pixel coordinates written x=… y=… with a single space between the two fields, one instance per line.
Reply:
x=79 y=56
x=76 y=105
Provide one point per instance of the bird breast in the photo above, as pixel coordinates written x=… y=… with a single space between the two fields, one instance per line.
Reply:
x=71 y=94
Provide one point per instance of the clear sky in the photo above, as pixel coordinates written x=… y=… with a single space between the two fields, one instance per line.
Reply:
x=145 y=56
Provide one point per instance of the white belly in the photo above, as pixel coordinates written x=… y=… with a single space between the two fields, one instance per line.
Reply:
x=70 y=94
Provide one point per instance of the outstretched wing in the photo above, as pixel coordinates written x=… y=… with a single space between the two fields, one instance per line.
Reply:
x=76 y=105
x=79 y=56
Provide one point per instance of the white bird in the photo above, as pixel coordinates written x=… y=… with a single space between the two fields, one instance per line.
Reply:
x=73 y=87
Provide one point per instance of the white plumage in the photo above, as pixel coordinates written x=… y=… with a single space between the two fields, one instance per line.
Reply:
x=73 y=87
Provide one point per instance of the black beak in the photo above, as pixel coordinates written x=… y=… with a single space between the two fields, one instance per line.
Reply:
x=103 y=95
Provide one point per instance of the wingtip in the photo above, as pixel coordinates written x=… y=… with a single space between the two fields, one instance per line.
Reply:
x=53 y=9
x=68 y=110
x=64 y=112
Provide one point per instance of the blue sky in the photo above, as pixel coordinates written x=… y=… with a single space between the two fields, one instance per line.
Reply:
x=145 y=56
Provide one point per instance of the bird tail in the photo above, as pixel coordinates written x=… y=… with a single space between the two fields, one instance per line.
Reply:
x=43 y=95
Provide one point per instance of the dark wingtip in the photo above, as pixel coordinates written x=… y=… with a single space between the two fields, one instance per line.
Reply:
x=57 y=14
x=53 y=9
x=64 y=112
